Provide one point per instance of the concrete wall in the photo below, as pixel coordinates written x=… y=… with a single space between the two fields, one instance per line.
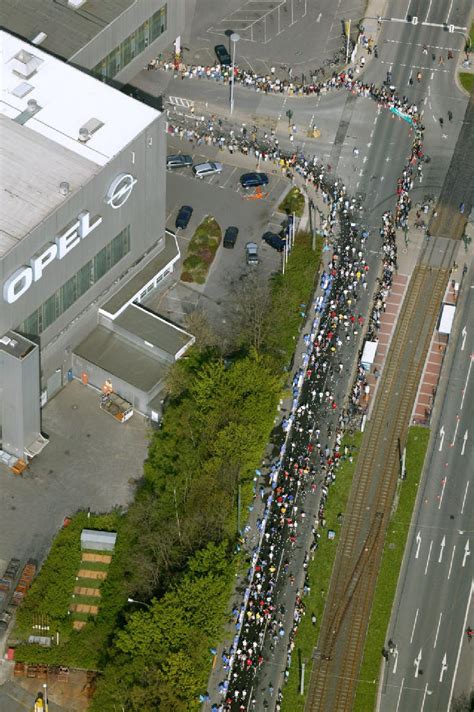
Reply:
x=97 y=377
x=112 y=35
x=144 y=211
x=20 y=401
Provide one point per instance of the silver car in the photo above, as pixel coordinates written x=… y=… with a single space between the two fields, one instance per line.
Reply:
x=180 y=160
x=251 y=251
x=207 y=169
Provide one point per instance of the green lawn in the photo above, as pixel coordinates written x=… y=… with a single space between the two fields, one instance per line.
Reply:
x=293 y=202
x=467 y=80
x=319 y=572
x=201 y=251
x=395 y=542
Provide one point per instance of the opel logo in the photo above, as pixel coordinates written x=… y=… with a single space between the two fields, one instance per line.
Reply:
x=120 y=190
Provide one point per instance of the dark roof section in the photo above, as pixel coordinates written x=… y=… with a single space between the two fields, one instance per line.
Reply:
x=67 y=30
x=169 y=254
x=154 y=329
x=122 y=359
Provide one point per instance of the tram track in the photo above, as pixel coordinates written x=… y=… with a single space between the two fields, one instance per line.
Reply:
x=345 y=619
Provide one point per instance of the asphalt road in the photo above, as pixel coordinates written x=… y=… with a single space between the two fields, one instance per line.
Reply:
x=283 y=34
x=436 y=587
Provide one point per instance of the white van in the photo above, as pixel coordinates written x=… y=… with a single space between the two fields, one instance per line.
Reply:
x=206 y=169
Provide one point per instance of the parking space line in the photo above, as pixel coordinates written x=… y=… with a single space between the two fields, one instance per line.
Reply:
x=223 y=185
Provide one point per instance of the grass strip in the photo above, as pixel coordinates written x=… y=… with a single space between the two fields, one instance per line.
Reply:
x=319 y=572
x=291 y=292
x=394 y=548
x=201 y=251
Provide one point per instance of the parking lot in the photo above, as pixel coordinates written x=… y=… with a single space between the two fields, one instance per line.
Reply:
x=223 y=197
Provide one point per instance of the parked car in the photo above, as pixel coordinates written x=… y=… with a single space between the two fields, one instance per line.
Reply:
x=206 y=169
x=223 y=55
x=274 y=240
x=183 y=217
x=251 y=251
x=252 y=180
x=179 y=161
x=230 y=236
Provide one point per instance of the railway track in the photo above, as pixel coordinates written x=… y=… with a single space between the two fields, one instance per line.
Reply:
x=344 y=625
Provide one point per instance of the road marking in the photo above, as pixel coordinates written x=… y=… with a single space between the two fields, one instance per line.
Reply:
x=223 y=185
x=441 y=435
x=416 y=663
x=464 y=440
x=437 y=629
x=400 y=695
x=414 y=626
x=427 y=24
x=464 y=334
x=449 y=11
x=455 y=431
x=464 y=498
x=429 y=555
x=443 y=485
x=444 y=667
x=451 y=563
x=319 y=17
x=460 y=645
x=466 y=382
x=467 y=552
x=441 y=549
x=427 y=692
x=429 y=8
x=414 y=44
x=365 y=159
x=418 y=542
x=395 y=664
x=416 y=66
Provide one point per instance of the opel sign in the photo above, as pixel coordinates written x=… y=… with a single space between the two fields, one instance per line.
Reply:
x=21 y=280
x=120 y=190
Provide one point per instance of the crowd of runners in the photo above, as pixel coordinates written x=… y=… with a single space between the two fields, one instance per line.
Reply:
x=311 y=448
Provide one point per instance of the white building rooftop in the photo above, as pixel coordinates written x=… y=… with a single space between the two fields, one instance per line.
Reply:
x=57 y=124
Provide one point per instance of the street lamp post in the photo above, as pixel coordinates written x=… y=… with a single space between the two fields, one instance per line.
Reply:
x=234 y=38
x=141 y=603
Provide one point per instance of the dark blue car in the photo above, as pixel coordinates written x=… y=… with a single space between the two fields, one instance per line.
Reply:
x=253 y=180
x=274 y=240
x=183 y=217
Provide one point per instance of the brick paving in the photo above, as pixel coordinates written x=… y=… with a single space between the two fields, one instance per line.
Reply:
x=430 y=378
x=388 y=320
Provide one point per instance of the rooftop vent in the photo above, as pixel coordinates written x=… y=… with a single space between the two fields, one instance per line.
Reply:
x=6 y=341
x=89 y=128
x=39 y=39
x=64 y=187
x=22 y=90
x=76 y=4
x=25 y=64
x=32 y=105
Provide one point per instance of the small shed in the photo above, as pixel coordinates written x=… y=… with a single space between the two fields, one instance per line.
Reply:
x=97 y=540
x=446 y=319
x=368 y=355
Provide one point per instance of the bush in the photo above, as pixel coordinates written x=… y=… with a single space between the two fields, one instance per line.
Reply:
x=293 y=202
